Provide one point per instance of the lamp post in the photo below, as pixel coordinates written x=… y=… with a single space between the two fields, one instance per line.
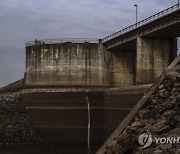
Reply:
x=178 y=4
x=136 y=12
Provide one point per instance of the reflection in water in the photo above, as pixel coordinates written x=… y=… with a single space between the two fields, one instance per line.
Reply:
x=47 y=149
x=89 y=121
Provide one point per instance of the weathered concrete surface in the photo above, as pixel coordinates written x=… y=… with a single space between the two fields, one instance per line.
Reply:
x=60 y=114
x=78 y=64
x=91 y=64
x=118 y=102
x=120 y=67
x=61 y=117
x=70 y=64
x=153 y=56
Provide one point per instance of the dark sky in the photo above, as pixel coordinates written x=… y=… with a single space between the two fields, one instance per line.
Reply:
x=25 y=20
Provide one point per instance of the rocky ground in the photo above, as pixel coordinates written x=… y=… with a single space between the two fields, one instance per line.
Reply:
x=160 y=117
x=15 y=127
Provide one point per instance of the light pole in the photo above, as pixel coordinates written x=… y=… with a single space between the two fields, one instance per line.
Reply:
x=178 y=3
x=136 y=12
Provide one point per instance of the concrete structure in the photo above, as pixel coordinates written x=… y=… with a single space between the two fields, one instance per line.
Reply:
x=120 y=67
x=77 y=63
x=152 y=43
x=60 y=115
x=64 y=63
x=58 y=78
x=153 y=56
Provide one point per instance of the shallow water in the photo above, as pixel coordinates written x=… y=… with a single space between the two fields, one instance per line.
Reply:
x=48 y=149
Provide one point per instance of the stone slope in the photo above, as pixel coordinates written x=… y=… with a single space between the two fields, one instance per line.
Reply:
x=159 y=116
x=15 y=126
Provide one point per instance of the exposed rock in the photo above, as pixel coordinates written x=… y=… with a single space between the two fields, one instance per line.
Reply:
x=158 y=151
x=173 y=74
x=15 y=126
x=160 y=117
x=163 y=93
x=161 y=86
x=177 y=151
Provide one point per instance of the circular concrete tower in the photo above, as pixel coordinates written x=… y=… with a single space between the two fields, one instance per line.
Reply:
x=64 y=63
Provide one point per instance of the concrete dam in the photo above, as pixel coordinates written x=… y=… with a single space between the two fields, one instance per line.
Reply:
x=60 y=76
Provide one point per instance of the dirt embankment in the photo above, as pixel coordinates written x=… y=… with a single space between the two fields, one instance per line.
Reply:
x=13 y=87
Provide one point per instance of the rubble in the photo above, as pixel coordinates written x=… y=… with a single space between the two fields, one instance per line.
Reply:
x=15 y=126
x=160 y=116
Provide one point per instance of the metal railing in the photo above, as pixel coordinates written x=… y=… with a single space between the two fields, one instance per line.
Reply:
x=142 y=22
x=62 y=40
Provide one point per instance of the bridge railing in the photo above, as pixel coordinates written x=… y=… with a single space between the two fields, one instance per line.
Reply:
x=62 y=40
x=142 y=22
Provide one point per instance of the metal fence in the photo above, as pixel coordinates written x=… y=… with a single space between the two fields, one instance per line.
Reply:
x=62 y=40
x=142 y=22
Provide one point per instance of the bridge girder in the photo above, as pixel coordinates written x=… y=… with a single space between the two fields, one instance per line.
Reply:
x=167 y=26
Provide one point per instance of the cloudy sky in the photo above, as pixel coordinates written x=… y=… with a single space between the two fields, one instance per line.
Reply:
x=25 y=20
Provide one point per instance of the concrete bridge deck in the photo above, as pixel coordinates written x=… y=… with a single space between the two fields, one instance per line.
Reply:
x=164 y=24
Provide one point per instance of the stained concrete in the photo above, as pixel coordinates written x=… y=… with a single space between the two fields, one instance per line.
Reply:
x=153 y=55
x=91 y=64
x=121 y=67
x=60 y=115
x=64 y=64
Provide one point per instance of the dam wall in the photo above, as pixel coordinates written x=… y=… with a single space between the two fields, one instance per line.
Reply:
x=60 y=76
x=118 y=102
x=64 y=64
x=89 y=63
x=78 y=63
x=60 y=115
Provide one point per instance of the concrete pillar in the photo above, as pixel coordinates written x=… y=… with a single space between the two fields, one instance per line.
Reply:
x=121 y=67
x=153 y=56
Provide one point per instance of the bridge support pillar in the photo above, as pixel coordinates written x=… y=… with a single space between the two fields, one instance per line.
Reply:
x=120 y=66
x=153 y=56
